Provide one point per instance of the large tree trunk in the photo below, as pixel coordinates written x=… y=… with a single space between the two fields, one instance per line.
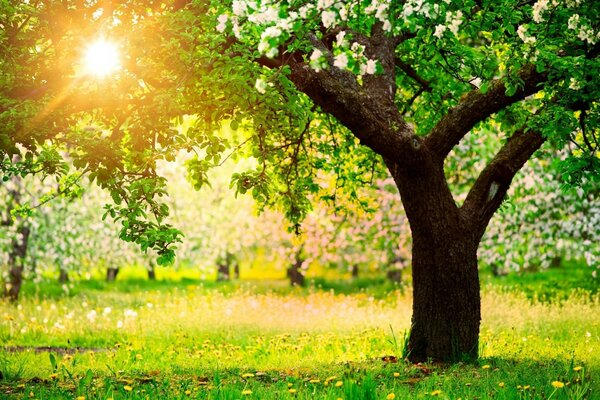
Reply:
x=446 y=300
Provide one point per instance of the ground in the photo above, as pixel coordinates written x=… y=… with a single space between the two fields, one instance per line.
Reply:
x=188 y=339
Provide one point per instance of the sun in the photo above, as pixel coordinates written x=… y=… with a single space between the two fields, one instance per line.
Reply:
x=102 y=58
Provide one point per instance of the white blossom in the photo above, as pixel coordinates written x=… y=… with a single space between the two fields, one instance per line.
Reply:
x=539 y=8
x=371 y=67
x=328 y=18
x=340 y=38
x=522 y=33
x=239 y=8
x=573 y=21
x=341 y=61
x=439 y=31
x=260 y=86
x=223 y=18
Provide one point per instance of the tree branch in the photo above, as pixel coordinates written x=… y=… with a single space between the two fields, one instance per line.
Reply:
x=411 y=73
x=477 y=106
x=488 y=191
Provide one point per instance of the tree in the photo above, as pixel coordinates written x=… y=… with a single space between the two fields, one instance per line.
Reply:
x=345 y=87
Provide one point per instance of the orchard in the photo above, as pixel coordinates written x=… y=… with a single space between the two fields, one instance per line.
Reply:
x=434 y=144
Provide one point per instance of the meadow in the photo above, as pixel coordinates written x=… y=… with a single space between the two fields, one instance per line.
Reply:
x=190 y=339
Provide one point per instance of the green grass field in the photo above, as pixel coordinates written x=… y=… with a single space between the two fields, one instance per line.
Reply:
x=188 y=339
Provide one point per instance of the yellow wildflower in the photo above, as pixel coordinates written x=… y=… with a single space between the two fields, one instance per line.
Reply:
x=139 y=357
x=248 y=375
x=80 y=397
x=396 y=374
x=391 y=396
x=558 y=384
x=577 y=369
x=292 y=391
x=246 y=392
x=486 y=366
x=314 y=381
x=339 y=383
x=188 y=392
x=127 y=388
x=501 y=384
x=436 y=392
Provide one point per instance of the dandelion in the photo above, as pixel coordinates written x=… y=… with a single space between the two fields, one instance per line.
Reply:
x=558 y=384
x=246 y=392
x=390 y=396
x=139 y=357
x=188 y=392
x=127 y=388
x=339 y=384
x=396 y=374
x=292 y=391
x=314 y=381
x=80 y=397
x=501 y=384
x=248 y=375
x=436 y=393
x=486 y=366
x=577 y=369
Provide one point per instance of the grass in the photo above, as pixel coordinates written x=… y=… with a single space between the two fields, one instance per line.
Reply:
x=186 y=339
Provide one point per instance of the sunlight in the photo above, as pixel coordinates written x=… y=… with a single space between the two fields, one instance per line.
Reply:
x=102 y=58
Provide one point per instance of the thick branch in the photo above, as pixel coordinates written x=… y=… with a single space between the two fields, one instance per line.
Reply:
x=491 y=186
x=477 y=106
x=371 y=116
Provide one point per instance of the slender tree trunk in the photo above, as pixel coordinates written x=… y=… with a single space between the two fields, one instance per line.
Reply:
x=151 y=272
x=236 y=270
x=223 y=273
x=394 y=275
x=355 y=271
x=295 y=274
x=63 y=276
x=15 y=263
x=111 y=274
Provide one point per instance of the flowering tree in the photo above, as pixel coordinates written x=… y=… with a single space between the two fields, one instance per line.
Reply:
x=345 y=235
x=377 y=83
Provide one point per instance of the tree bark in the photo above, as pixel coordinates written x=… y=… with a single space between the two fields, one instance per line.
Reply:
x=111 y=274
x=446 y=299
